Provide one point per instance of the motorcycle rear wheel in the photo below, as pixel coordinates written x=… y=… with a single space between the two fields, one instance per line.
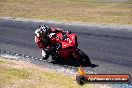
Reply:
x=84 y=59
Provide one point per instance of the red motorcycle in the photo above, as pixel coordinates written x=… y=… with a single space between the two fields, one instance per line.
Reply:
x=68 y=49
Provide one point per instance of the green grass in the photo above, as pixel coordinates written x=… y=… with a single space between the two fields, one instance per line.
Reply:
x=69 y=10
x=23 y=74
x=7 y=75
x=26 y=75
x=1 y=62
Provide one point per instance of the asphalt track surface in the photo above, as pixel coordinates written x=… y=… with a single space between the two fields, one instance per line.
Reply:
x=108 y=47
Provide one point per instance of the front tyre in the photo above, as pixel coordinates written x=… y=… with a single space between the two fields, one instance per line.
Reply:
x=84 y=59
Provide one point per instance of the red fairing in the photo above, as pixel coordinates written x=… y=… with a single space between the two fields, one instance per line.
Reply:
x=68 y=53
x=71 y=40
x=69 y=45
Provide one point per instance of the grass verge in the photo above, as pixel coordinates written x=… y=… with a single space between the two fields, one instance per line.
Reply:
x=96 y=11
x=19 y=74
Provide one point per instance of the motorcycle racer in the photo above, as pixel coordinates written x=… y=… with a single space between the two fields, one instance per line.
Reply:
x=61 y=45
x=42 y=38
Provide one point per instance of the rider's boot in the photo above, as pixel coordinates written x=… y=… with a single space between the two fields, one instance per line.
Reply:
x=45 y=54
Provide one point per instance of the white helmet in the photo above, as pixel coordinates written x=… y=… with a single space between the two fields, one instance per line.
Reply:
x=42 y=29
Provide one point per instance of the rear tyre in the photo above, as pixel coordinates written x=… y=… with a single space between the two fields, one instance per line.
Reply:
x=84 y=59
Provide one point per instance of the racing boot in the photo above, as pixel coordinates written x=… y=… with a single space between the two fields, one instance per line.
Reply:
x=45 y=54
